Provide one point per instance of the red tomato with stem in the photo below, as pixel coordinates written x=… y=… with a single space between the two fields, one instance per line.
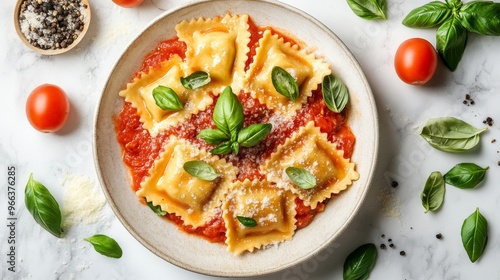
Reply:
x=47 y=108
x=415 y=61
x=128 y=3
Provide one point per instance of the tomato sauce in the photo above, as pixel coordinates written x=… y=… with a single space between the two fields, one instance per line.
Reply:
x=140 y=149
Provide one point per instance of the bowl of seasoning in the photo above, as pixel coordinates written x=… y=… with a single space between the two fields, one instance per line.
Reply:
x=51 y=27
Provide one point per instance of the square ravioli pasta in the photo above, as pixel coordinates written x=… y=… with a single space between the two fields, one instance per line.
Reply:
x=240 y=127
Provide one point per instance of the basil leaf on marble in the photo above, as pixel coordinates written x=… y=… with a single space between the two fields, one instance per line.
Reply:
x=465 y=175
x=284 y=83
x=360 y=262
x=369 y=9
x=246 y=221
x=433 y=194
x=450 y=134
x=196 y=80
x=475 y=235
x=166 y=98
x=429 y=15
x=482 y=17
x=43 y=207
x=451 y=39
x=213 y=136
x=157 y=209
x=228 y=114
x=335 y=93
x=201 y=170
x=301 y=177
x=105 y=245
x=222 y=149
x=253 y=134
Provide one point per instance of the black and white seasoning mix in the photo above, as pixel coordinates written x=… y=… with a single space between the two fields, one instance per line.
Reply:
x=52 y=24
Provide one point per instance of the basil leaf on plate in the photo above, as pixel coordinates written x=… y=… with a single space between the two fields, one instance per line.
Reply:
x=222 y=149
x=253 y=134
x=246 y=221
x=301 y=177
x=481 y=17
x=284 y=83
x=475 y=235
x=451 y=39
x=213 y=136
x=105 y=245
x=360 y=262
x=157 y=209
x=335 y=93
x=465 y=175
x=43 y=207
x=429 y=15
x=200 y=170
x=433 y=194
x=196 y=80
x=450 y=134
x=228 y=114
x=166 y=98
x=369 y=9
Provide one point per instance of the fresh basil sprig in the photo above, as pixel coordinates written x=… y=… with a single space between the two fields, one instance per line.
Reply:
x=433 y=194
x=196 y=80
x=157 y=209
x=246 y=221
x=360 y=262
x=228 y=114
x=301 y=177
x=451 y=39
x=475 y=235
x=284 y=83
x=166 y=98
x=105 y=245
x=43 y=207
x=465 y=175
x=201 y=170
x=213 y=136
x=253 y=134
x=450 y=134
x=369 y=9
x=335 y=93
x=482 y=17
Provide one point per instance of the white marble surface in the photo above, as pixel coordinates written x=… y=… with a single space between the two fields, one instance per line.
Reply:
x=395 y=212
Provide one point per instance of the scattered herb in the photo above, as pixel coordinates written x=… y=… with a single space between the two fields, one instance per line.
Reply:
x=284 y=83
x=465 y=175
x=157 y=209
x=248 y=222
x=450 y=134
x=301 y=177
x=335 y=93
x=488 y=121
x=166 y=98
x=369 y=9
x=43 y=207
x=433 y=194
x=468 y=100
x=475 y=235
x=105 y=245
x=360 y=262
x=201 y=170
x=195 y=80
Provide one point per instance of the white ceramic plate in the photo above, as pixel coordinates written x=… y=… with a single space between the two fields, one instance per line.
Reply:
x=197 y=254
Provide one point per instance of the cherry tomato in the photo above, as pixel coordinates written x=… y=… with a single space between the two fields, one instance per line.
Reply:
x=415 y=61
x=47 y=108
x=128 y=3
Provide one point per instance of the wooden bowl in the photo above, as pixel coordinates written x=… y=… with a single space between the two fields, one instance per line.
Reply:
x=17 y=24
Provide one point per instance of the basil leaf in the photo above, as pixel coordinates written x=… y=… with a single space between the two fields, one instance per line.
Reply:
x=43 y=207
x=196 y=80
x=475 y=235
x=235 y=147
x=284 y=83
x=450 y=134
x=105 y=245
x=369 y=9
x=157 y=209
x=252 y=135
x=200 y=170
x=429 y=15
x=451 y=39
x=301 y=177
x=481 y=17
x=433 y=194
x=213 y=136
x=228 y=114
x=335 y=93
x=465 y=175
x=454 y=4
x=166 y=98
x=360 y=262
x=248 y=222
x=222 y=149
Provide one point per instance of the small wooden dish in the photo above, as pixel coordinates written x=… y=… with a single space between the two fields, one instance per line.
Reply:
x=17 y=24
